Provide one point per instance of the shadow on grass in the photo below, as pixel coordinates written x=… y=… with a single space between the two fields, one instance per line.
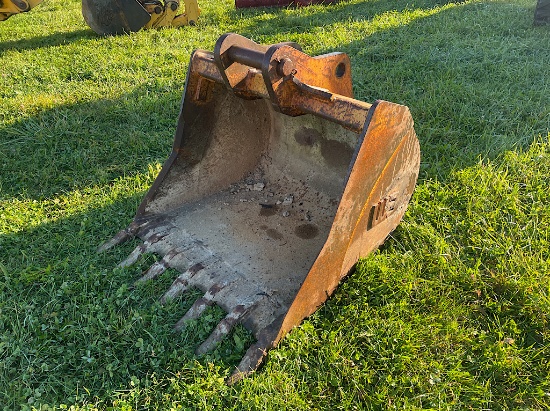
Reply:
x=51 y=40
x=89 y=143
x=280 y=21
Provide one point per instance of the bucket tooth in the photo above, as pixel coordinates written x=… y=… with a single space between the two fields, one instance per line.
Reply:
x=198 y=307
x=223 y=328
x=278 y=182
x=180 y=284
x=249 y=363
x=159 y=267
x=134 y=256
x=153 y=234
x=256 y=353
x=144 y=247
x=120 y=237
x=156 y=269
x=143 y=229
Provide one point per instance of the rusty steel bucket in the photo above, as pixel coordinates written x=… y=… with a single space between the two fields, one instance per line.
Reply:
x=278 y=182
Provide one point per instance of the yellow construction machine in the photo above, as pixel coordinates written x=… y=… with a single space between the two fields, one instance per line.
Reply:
x=10 y=7
x=120 y=16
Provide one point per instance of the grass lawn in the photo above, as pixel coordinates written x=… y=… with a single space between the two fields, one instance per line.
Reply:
x=452 y=313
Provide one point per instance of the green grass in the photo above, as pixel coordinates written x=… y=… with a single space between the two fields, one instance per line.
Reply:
x=452 y=313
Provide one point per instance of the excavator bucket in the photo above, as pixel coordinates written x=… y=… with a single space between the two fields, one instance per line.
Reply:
x=278 y=182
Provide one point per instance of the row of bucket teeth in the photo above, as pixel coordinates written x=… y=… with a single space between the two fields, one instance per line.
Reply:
x=199 y=267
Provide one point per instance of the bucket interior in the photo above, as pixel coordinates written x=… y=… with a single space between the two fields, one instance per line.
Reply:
x=255 y=187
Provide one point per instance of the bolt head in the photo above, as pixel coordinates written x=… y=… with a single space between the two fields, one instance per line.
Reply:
x=286 y=67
